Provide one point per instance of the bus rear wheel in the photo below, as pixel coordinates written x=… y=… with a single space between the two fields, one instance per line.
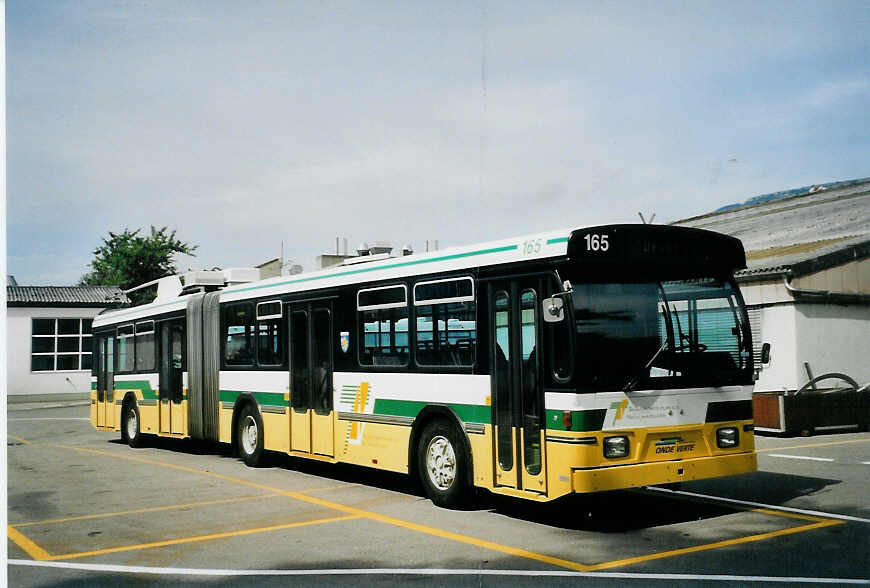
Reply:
x=250 y=435
x=130 y=425
x=443 y=465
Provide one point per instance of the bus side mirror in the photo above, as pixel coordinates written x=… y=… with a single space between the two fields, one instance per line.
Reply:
x=765 y=353
x=554 y=310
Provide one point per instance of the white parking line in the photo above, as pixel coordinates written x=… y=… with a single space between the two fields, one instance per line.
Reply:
x=429 y=572
x=801 y=457
x=814 y=513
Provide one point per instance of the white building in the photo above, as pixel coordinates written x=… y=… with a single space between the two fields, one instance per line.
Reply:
x=48 y=339
x=807 y=282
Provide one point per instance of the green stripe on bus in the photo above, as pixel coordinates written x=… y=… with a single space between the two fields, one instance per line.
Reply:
x=469 y=413
x=581 y=420
x=143 y=386
x=263 y=398
x=557 y=240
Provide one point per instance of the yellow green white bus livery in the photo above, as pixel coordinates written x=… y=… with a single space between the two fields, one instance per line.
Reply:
x=566 y=362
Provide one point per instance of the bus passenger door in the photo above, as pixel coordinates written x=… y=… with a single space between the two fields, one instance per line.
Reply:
x=311 y=418
x=171 y=409
x=110 y=383
x=101 y=382
x=517 y=394
x=106 y=383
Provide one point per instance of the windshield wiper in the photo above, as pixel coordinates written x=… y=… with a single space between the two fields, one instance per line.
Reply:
x=635 y=379
x=692 y=345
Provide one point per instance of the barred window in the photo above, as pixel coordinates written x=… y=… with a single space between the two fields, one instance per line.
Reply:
x=60 y=344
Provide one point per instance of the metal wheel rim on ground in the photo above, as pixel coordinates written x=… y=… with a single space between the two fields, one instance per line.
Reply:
x=249 y=435
x=441 y=462
x=132 y=424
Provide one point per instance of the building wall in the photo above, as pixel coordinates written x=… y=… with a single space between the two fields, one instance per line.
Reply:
x=852 y=277
x=834 y=338
x=19 y=379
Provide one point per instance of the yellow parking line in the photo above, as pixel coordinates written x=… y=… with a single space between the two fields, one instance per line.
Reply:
x=327 y=488
x=360 y=513
x=31 y=548
x=144 y=510
x=719 y=544
x=199 y=538
x=19 y=439
x=866 y=440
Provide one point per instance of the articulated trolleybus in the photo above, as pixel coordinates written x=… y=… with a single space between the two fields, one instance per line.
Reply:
x=567 y=362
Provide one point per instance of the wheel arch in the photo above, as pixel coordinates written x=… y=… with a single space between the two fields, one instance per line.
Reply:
x=129 y=399
x=433 y=412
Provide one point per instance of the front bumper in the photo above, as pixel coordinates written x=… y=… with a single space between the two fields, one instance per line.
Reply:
x=662 y=472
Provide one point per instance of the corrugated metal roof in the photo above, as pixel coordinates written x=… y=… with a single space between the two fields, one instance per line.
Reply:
x=801 y=234
x=93 y=296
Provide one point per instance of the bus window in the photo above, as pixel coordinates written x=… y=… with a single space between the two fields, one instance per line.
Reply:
x=238 y=332
x=383 y=326
x=446 y=322
x=145 y=348
x=125 y=349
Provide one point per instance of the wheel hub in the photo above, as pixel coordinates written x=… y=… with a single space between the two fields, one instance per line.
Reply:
x=441 y=462
x=132 y=425
x=249 y=435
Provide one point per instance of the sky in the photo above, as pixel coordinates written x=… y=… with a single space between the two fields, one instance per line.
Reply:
x=243 y=125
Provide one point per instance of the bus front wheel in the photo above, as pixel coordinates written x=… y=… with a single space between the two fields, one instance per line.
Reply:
x=443 y=465
x=250 y=435
x=131 y=431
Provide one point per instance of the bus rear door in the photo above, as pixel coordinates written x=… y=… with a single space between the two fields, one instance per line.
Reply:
x=106 y=382
x=311 y=395
x=171 y=409
x=517 y=407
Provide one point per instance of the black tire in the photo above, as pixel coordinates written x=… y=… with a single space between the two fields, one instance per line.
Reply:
x=249 y=435
x=131 y=424
x=443 y=465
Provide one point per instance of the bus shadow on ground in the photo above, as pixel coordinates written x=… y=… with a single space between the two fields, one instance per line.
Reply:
x=763 y=487
x=610 y=512
x=606 y=512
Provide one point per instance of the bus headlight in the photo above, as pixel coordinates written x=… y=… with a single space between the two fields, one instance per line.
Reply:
x=615 y=447
x=727 y=437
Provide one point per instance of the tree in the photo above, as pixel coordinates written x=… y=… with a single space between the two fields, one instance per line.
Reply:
x=128 y=259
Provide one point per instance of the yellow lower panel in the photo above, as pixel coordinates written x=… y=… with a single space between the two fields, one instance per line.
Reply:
x=276 y=437
x=481 y=450
x=225 y=423
x=643 y=474
x=148 y=418
x=374 y=445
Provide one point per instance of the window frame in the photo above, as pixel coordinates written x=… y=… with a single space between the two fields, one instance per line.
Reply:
x=264 y=317
x=361 y=308
x=431 y=301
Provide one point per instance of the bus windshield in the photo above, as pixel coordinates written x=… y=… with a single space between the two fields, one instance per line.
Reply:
x=654 y=335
